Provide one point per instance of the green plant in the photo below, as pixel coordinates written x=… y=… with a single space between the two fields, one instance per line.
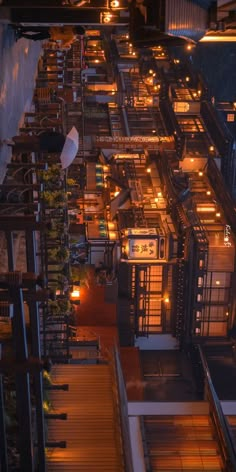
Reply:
x=60 y=254
x=59 y=306
x=47 y=381
x=71 y=182
x=50 y=175
x=55 y=198
x=81 y=273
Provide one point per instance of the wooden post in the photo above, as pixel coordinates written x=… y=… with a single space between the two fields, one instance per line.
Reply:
x=55 y=416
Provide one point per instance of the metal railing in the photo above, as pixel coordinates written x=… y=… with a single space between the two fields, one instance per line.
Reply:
x=225 y=441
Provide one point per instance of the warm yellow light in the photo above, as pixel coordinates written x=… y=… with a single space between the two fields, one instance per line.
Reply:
x=111 y=225
x=211 y=148
x=97 y=61
x=115 y=3
x=194 y=94
x=226 y=239
x=107 y=18
x=130 y=45
x=159 y=194
x=200 y=173
x=207 y=209
x=218 y=215
x=150 y=71
x=148 y=170
x=112 y=235
x=166 y=300
x=154 y=75
x=156 y=199
x=153 y=131
x=46 y=407
x=75 y=294
x=217 y=282
x=192 y=160
x=116 y=193
x=189 y=47
x=187 y=79
x=199 y=92
x=218 y=39
x=208 y=192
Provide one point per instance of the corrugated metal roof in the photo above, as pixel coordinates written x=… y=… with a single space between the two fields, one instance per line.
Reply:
x=92 y=429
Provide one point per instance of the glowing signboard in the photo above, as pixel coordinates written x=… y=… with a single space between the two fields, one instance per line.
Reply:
x=143 y=248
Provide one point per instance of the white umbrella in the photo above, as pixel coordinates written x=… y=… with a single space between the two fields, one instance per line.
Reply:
x=70 y=148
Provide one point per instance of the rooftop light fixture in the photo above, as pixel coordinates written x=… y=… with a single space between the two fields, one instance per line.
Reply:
x=114 y=4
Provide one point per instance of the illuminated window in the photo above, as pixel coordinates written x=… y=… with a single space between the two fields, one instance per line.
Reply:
x=230 y=117
x=181 y=107
x=200 y=281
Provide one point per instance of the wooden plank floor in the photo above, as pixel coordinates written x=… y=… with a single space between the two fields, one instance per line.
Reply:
x=92 y=428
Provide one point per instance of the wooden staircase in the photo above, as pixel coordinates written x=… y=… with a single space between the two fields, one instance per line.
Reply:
x=181 y=443
x=92 y=429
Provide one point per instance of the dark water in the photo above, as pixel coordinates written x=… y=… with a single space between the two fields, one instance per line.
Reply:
x=217 y=63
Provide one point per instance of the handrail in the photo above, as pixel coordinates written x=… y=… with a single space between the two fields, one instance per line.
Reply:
x=123 y=411
x=223 y=433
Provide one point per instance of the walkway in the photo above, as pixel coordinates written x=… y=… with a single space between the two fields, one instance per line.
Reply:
x=18 y=65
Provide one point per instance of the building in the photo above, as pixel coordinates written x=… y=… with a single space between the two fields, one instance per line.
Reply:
x=158 y=216
x=159 y=225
